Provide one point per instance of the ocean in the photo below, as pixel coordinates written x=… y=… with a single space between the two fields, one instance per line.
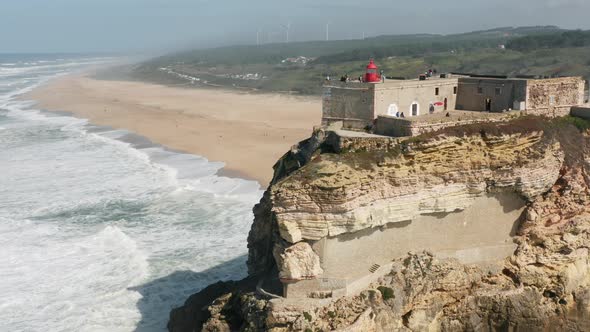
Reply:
x=100 y=229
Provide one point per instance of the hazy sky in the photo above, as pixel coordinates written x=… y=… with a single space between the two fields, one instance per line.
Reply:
x=151 y=25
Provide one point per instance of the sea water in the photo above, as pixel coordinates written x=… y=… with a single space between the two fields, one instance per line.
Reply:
x=101 y=230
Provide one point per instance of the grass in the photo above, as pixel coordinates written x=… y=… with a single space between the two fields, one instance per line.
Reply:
x=581 y=124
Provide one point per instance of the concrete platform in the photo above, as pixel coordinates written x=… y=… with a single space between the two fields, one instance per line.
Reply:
x=456 y=116
x=582 y=111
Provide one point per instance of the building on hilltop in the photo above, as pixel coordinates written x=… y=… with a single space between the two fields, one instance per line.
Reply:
x=551 y=97
x=342 y=218
x=397 y=107
x=357 y=104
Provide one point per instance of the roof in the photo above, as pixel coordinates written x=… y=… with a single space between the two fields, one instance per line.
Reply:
x=372 y=65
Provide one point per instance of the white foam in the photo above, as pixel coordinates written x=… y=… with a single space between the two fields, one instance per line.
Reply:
x=191 y=172
x=55 y=278
x=96 y=234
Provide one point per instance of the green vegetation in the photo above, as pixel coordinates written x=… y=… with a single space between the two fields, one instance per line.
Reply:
x=581 y=124
x=386 y=292
x=565 y=39
x=531 y=51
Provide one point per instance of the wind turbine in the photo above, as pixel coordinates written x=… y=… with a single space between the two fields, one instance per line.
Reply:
x=258 y=36
x=328 y=31
x=288 y=29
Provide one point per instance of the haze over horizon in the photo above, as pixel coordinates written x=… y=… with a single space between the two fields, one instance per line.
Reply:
x=34 y=26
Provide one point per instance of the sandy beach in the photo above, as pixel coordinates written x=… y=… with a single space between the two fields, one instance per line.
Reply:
x=248 y=132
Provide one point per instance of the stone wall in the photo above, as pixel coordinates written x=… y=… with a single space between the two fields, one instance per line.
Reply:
x=480 y=234
x=554 y=97
x=398 y=127
x=350 y=102
x=362 y=142
x=393 y=126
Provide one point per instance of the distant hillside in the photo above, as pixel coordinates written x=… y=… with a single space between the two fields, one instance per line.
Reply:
x=384 y=47
x=301 y=67
x=410 y=44
x=576 y=38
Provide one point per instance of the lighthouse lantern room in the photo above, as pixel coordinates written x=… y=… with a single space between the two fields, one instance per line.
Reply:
x=372 y=76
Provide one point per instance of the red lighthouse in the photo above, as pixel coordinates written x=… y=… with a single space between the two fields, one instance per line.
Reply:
x=372 y=76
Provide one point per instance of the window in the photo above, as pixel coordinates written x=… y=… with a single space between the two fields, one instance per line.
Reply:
x=454 y=90
x=498 y=91
x=480 y=90
x=436 y=91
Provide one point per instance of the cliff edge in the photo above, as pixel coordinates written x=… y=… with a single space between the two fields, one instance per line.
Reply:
x=478 y=227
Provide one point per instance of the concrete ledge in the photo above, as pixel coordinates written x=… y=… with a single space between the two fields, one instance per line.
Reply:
x=414 y=126
x=581 y=112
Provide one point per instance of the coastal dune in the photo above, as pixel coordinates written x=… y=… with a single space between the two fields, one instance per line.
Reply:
x=248 y=132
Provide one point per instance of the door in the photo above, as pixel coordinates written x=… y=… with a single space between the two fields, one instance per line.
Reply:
x=392 y=110
x=488 y=105
x=414 y=109
x=446 y=104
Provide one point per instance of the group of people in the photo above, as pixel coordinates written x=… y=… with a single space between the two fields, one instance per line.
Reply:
x=343 y=78
x=346 y=78
x=430 y=72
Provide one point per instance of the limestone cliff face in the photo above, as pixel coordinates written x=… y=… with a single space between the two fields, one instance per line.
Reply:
x=327 y=187
x=343 y=193
x=336 y=193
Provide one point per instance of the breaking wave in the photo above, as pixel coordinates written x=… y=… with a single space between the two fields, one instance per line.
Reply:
x=100 y=229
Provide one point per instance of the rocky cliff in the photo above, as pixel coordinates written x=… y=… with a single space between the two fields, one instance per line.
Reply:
x=331 y=185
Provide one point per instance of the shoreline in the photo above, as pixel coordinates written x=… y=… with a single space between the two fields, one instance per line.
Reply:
x=147 y=142
x=248 y=132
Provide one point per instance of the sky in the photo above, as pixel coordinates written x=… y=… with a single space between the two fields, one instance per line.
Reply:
x=50 y=26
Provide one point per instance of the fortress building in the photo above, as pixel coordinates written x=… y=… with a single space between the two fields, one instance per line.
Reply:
x=409 y=107
x=341 y=223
